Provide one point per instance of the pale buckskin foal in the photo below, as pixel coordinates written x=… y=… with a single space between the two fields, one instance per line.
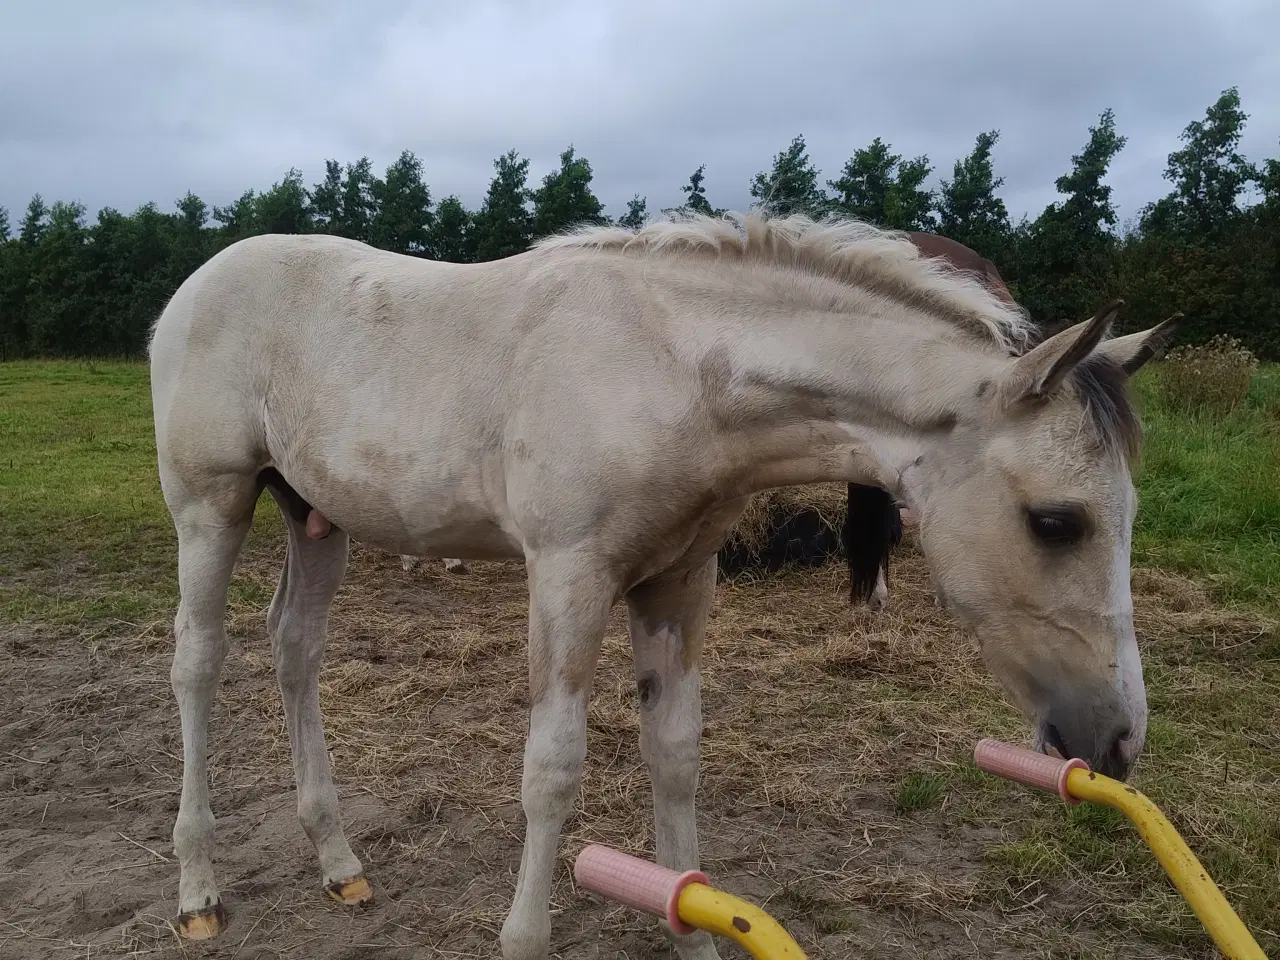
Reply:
x=603 y=406
x=872 y=527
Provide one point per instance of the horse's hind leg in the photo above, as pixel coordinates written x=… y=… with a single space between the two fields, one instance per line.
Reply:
x=880 y=594
x=667 y=620
x=297 y=622
x=208 y=547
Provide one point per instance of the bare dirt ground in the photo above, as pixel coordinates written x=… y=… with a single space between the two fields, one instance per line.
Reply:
x=816 y=716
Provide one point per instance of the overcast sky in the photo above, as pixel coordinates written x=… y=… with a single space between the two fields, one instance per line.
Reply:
x=134 y=100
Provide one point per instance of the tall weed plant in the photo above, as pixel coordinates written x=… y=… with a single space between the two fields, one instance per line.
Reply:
x=1212 y=377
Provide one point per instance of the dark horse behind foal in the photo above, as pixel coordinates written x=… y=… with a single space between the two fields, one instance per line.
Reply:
x=872 y=527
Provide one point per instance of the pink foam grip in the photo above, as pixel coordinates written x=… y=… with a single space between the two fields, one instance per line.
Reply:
x=635 y=883
x=1026 y=766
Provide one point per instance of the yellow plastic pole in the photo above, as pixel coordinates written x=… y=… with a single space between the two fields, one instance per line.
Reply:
x=1191 y=879
x=747 y=925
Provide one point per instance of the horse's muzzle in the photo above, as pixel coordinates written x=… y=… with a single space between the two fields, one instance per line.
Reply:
x=1099 y=733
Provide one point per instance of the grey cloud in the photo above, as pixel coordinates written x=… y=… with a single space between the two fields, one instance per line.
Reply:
x=134 y=101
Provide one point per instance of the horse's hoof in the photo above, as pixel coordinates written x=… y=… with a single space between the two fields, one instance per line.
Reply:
x=350 y=892
x=202 y=924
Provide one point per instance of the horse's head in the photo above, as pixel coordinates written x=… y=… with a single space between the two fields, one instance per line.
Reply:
x=1026 y=517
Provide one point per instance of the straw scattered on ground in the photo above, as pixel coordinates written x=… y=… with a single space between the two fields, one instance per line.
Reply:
x=765 y=510
x=836 y=786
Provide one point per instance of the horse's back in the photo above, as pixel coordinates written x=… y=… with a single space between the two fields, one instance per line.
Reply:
x=428 y=407
x=239 y=296
x=371 y=381
x=963 y=258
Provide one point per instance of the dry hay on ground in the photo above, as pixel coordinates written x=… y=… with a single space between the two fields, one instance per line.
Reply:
x=814 y=715
x=787 y=526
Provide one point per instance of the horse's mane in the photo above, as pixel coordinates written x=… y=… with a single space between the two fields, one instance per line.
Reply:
x=851 y=251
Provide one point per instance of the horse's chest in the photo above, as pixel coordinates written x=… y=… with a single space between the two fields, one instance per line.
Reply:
x=695 y=543
x=713 y=528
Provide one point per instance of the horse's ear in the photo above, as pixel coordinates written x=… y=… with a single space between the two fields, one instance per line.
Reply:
x=1136 y=349
x=1040 y=371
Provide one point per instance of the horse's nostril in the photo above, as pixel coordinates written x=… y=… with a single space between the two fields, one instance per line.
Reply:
x=1053 y=737
x=1116 y=762
x=1120 y=747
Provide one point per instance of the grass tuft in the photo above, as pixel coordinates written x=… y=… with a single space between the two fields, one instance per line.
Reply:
x=919 y=791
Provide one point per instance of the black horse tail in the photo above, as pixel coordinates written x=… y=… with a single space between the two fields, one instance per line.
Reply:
x=872 y=528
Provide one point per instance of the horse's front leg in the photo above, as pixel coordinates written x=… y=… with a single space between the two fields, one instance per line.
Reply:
x=668 y=619
x=569 y=602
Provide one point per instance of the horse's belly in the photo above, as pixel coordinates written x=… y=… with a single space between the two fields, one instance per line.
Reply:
x=406 y=509
x=420 y=532
x=464 y=537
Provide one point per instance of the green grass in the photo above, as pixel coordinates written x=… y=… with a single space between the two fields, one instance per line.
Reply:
x=1209 y=492
x=919 y=791
x=80 y=496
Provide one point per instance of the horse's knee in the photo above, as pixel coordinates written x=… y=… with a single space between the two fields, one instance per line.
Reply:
x=298 y=666
x=192 y=831
x=671 y=742
x=554 y=756
x=550 y=787
x=674 y=764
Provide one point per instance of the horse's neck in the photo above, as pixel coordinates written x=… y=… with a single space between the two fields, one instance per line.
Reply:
x=812 y=398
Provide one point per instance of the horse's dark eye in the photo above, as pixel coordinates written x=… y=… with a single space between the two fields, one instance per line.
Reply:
x=1056 y=526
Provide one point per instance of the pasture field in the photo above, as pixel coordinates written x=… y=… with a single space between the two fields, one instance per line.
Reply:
x=837 y=789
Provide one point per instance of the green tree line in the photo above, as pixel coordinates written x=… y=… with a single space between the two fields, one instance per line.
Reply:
x=1209 y=248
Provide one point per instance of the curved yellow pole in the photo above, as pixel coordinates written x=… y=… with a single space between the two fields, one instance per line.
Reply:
x=747 y=925
x=1191 y=879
